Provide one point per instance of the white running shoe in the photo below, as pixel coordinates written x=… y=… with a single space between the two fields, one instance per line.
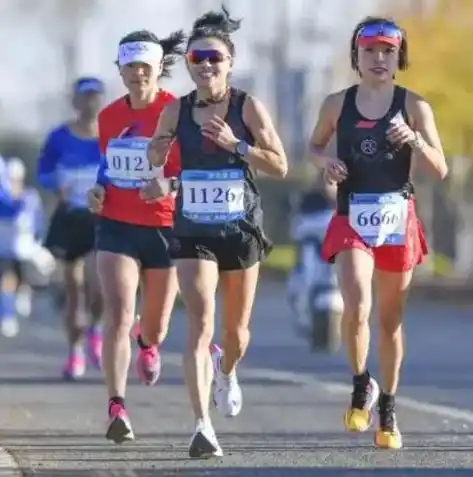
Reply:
x=204 y=443
x=23 y=302
x=9 y=327
x=226 y=392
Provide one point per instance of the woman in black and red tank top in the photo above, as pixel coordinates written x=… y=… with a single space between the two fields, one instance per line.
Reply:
x=383 y=131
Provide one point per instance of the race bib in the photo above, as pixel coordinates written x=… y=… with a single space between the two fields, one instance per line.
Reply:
x=379 y=219
x=77 y=182
x=213 y=196
x=127 y=164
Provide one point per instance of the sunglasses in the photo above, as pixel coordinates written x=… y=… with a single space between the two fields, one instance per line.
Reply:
x=384 y=32
x=199 y=56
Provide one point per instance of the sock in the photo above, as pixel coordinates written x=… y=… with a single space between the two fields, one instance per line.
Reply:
x=361 y=379
x=386 y=401
x=115 y=400
x=139 y=340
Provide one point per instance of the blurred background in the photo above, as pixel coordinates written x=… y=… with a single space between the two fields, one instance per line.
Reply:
x=290 y=53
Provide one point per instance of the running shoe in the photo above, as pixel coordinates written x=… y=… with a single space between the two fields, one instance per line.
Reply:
x=388 y=435
x=9 y=326
x=94 y=348
x=119 y=428
x=359 y=416
x=148 y=365
x=226 y=392
x=204 y=443
x=74 y=368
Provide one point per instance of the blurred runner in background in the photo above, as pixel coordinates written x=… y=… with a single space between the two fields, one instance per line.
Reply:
x=67 y=166
x=21 y=227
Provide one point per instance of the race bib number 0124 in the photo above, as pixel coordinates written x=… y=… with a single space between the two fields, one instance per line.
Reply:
x=379 y=219
x=213 y=196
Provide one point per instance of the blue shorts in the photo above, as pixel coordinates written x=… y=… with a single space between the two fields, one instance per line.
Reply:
x=147 y=245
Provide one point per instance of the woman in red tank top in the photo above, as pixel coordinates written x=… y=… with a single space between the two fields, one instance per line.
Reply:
x=376 y=228
x=134 y=227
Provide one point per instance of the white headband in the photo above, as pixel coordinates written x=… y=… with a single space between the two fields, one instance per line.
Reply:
x=141 y=52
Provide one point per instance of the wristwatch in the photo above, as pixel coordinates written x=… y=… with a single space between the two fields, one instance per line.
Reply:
x=173 y=184
x=241 y=149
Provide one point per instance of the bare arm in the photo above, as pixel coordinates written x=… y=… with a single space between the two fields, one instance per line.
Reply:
x=325 y=128
x=268 y=154
x=164 y=135
x=428 y=150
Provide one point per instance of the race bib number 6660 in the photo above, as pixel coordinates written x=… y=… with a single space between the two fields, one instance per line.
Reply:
x=379 y=219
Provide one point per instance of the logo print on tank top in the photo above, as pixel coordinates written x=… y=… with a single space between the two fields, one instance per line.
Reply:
x=131 y=130
x=369 y=146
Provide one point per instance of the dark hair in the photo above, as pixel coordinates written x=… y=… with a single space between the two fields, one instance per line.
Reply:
x=403 y=63
x=215 y=25
x=173 y=46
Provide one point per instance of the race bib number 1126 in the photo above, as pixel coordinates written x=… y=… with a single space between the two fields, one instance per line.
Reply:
x=213 y=196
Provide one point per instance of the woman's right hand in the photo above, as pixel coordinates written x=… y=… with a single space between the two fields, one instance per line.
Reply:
x=95 y=198
x=335 y=170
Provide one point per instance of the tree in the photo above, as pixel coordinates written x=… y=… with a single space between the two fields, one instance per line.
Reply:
x=441 y=54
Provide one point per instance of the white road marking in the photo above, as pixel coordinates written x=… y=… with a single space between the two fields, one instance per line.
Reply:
x=446 y=412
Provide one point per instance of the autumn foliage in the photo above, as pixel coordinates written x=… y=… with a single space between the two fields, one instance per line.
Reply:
x=441 y=57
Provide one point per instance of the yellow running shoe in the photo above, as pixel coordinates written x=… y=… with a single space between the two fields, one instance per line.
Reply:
x=359 y=416
x=387 y=435
x=388 y=439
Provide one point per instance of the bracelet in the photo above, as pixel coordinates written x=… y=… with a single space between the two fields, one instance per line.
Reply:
x=418 y=143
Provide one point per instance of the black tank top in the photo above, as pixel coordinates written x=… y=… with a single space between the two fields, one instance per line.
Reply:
x=374 y=164
x=218 y=195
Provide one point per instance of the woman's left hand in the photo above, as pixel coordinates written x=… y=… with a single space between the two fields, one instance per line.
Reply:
x=400 y=134
x=218 y=131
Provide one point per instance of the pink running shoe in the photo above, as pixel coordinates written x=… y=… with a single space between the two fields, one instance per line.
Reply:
x=94 y=348
x=119 y=427
x=74 y=368
x=148 y=365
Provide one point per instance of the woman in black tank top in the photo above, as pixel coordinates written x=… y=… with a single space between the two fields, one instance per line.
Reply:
x=225 y=136
x=382 y=132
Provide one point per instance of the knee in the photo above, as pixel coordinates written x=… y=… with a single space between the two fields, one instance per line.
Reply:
x=390 y=320
x=119 y=318
x=201 y=330
x=357 y=307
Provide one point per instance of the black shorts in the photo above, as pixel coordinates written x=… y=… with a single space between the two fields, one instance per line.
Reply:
x=234 y=252
x=71 y=233
x=147 y=245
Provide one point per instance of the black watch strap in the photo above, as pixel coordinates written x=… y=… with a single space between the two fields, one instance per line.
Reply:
x=173 y=184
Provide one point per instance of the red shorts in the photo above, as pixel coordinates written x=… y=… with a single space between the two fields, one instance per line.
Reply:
x=388 y=258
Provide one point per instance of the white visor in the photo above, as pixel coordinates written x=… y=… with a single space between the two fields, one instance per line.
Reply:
x=141 y=52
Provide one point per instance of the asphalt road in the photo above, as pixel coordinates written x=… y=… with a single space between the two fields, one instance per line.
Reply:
x=291 y=424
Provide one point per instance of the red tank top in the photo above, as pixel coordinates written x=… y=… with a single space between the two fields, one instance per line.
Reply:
x=125 y=205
